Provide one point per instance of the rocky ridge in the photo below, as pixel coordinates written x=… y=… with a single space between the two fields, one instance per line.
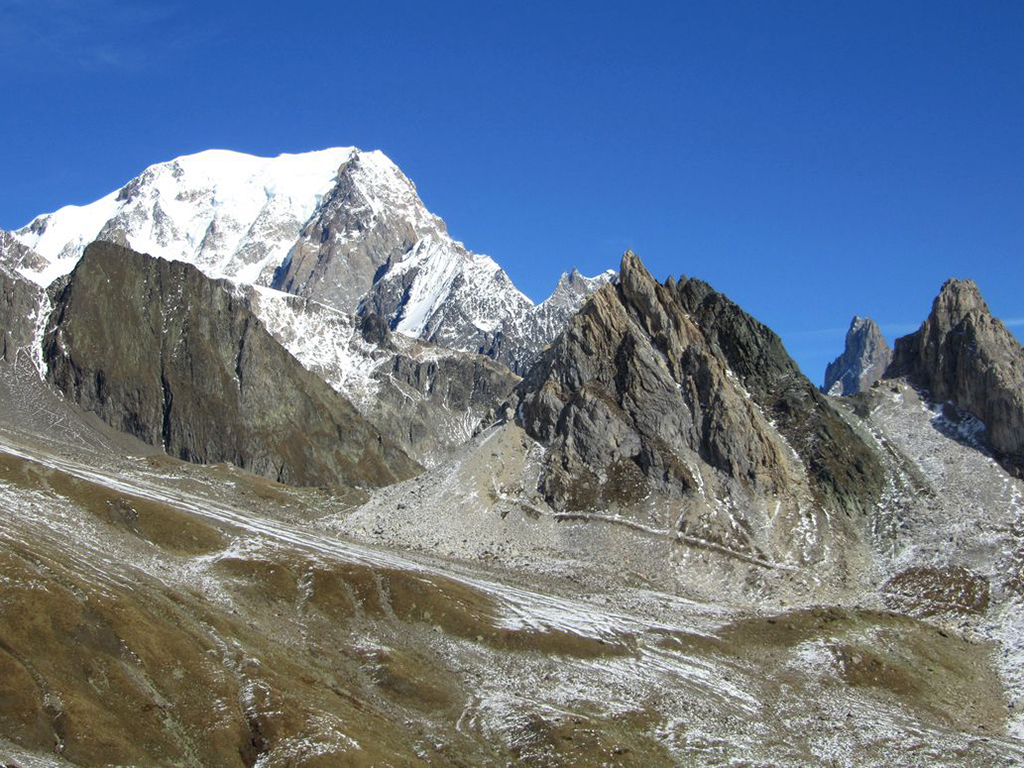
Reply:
x=962 y=354
x=160 y=351
x=671 y=391
x=519 y=344
x=865 y=357
x=371 y=217
x=844 y=472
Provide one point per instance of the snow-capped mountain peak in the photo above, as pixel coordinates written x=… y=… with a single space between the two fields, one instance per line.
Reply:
x=341 y=226
x=229 y=213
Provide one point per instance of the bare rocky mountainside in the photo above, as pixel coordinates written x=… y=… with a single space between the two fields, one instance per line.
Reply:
x=963 y=354
x=289 y=476
x=671 y=391
x=160 y=351
x=19 y=306
x=863 y=362
x=427 y=398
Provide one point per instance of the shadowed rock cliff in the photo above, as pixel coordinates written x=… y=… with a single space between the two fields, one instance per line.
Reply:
x=19 y=301
x=162 y=352
x=844 y=471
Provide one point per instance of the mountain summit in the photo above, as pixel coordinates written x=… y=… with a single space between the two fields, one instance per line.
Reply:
x=962 y=354
x=341 y=226
x=228 y=213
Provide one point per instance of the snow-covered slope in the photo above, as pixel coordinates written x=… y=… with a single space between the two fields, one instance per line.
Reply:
x=450 y=296
x=230 y=214
x=326 y=341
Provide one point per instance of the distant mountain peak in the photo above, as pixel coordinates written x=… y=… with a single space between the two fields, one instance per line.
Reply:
x=574 y=287
x=228 y=213
x=863 y=361
x=957 y=299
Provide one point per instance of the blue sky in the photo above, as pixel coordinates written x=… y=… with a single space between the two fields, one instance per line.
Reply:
x=813 y=160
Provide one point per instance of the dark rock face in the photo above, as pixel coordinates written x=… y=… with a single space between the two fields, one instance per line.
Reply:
x=19 y=302
x=844 y=471
x=864 y=360
x=162 y=352
x=964 y=355
x=673 y=388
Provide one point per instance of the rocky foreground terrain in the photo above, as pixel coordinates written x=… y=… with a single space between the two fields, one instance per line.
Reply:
x=315 y=496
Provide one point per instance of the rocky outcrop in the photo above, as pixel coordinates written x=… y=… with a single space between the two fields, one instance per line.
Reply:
x=19 y=302
x=961 y=353
x=844 y=471
x=160 y=351
x=672 y=390
x=864 y=360
x=16 y=256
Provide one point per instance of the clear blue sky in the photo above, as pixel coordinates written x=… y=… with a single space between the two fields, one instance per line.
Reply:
x=811 y=159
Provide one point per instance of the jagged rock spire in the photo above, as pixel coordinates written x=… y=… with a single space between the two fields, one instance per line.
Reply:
x=864 y=359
